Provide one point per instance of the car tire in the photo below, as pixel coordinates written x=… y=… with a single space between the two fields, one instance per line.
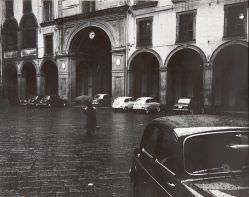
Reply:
x=125 y=109
x=158 y=109
x=147 y=111
x=49 y=105
x=191 y=111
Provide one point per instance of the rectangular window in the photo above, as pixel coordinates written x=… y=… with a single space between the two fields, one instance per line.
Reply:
x=186 y=26
x=235 y=20
x=27 y=6
x=48 y=45
x=144 y=32
x=88 y=6
x=9 y=8
x=47 y=10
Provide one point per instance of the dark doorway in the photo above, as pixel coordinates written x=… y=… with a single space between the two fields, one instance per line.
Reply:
x=50 y=75
x=29 y=77
x=144 y=75
x=11 y=80
x=92 y=50
x=185 y=76
x=231 y=79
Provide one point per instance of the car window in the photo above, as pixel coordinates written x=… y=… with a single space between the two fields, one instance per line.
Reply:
x=166 y=150
x=149 y=139
x=217 y=149
x=152 y=100
x=126 y=100
x=148 y=101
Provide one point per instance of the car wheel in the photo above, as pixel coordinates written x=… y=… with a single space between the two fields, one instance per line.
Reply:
x=49 y=105
x=125 y=108
x=147 y=111
x=158 y=109
x=191 y=111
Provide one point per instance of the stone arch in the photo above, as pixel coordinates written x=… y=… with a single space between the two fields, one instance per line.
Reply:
x=11 y=82
x=195 y=48
x=148 y=51
x=144 y=74
x=226 y=44
x=28 y=28
x=103 y=26
x=185 y=74
x=49 y=77
x=10 y=29
x=29 y=62
x=230 y=76
x=28 y=79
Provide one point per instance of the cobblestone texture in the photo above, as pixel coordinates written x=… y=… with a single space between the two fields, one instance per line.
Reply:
x=45 y=152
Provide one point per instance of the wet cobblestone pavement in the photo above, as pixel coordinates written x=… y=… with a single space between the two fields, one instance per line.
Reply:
x=45 y=152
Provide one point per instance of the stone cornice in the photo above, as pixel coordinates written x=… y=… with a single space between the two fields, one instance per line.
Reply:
x=145 y=4
x=121 y=10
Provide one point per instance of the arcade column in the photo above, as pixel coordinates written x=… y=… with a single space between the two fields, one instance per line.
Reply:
x=207 y=86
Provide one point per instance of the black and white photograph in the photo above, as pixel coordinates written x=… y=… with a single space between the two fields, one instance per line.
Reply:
x=124 y=98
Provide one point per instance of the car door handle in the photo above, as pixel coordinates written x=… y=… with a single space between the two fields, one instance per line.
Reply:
x=171 y=184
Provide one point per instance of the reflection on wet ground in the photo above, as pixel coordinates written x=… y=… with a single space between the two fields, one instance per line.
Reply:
x=45 y=152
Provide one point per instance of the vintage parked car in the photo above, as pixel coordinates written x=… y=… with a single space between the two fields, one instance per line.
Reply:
x=124 y=103
x=34 y=100
x=51 y=101
x=101 y=100
x=187 y=106
x=146 y=104
x=192 y=155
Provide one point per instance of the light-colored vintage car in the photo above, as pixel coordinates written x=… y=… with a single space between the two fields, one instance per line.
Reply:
x=124 y=103
x=146 y=104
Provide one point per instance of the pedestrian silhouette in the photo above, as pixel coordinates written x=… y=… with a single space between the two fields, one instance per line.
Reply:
x=91 y=119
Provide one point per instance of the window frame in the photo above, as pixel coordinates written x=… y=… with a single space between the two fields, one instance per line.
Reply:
x=226 y=24
x=139 y=42
x=46 y=51
x=51 y=10
x=178 y=27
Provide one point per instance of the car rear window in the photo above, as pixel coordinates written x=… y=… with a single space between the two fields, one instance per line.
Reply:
x=217 y=152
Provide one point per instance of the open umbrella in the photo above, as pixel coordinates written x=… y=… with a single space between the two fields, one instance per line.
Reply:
x=83 y=99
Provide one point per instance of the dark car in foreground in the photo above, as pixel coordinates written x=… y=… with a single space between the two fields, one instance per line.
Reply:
x=51 y=101
x=186 y=106
x=192 y=155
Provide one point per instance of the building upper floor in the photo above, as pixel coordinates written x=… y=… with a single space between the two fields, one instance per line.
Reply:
x=149 y=23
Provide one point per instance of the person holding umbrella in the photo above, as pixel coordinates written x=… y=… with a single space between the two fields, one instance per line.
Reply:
x=90 y=112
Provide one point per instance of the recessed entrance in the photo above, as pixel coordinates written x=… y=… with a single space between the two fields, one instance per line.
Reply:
x=29 y=79
x=91 y=49
x=11 y=80
x=144 y=75
x=185 y=76
x=230 y=89
x=50 y=77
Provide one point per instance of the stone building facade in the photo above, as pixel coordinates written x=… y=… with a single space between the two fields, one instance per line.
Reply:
x=166 y=49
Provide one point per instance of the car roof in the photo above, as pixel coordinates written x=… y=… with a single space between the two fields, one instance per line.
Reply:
x=185 y=125
x=145 y=98
x=123 y=97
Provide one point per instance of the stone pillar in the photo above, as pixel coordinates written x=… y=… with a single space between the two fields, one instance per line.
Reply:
x=207 y=86
x=21 y=86
x=40 y=84
x=118 y=72
x=66 y=85
x=163 y=85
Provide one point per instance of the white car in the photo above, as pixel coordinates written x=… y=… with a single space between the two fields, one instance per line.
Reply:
x=123 y=103
x=146 y=104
